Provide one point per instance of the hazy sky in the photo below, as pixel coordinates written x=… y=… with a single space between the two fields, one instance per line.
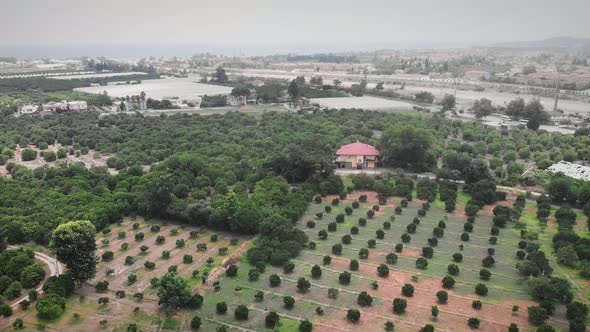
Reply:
x=289 y=24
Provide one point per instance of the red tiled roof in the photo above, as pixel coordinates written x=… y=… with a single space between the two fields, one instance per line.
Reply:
x=358 y=149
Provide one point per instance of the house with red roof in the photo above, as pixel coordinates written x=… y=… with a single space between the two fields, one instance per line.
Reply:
x=357 y=155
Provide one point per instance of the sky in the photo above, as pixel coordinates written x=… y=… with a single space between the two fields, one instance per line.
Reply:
x=270 y=26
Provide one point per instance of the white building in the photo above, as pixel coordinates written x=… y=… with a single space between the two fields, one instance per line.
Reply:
x=574 y=171
x=64 y=105
x=27 y=109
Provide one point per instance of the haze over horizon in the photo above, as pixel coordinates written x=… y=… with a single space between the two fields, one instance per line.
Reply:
x=182 y=27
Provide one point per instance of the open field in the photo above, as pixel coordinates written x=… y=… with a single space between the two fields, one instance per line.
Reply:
x=119 y=312
x=506 y=287
x=183 y=88
x=367 y=103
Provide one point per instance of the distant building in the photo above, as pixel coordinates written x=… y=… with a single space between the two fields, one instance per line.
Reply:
x=135 y=103
x=65 y=106
x=475 y=75
x=27 y=109
x=574 y=171
x=237 y=100
x=357 y=156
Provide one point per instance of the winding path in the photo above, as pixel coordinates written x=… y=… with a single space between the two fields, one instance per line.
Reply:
x=55 y=268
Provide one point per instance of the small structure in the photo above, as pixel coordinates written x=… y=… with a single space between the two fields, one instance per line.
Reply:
x=574 y=171
x=476 y=75
x=65 y=106
x=357 y=156
x=237 y=100
x=27 y=109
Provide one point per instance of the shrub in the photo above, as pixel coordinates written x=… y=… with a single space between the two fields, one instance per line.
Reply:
x=305 y=326
x=457 y=257
x=271 y=320
x=362 y=222
x=353 y=315
x=453 y=269
x=288 y=267
x=537 y=315
x=408 y=290
x=195 y=323
x=442 y=297
x=465 y=237
x=311 y=224
x=160 y=239
x=406 y=238
x=221 y=307
x=332 y=227
x=353 y=265
x=253 y=275
x=476 y=304
x=241 y=312
x=344 y=278
x=327 y=260
x=481 y=290
x=427 y=252
x=364 y=299
x=383 y=270
x=448 y=282
x=473 y=322
x=488 y=261
x=316 y=272
x=421 y=263
x=303 y=285
x=289 y=302
x=399 y=305
x=399 y=247
x=232 y=271
x=50 y=306
x=363 y=253
x=6 y=310
x=340 y=218
x=346 y=239
x=391 y=258
x=274 y=280
x=337 y=249
x=485 y=274
x=333 y=293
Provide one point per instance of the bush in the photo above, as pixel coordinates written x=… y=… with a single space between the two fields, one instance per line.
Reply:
x=473 y=322
x=241 y=312
x=391 y=258
x=457 y=257
x=421 y=263
x=305 y=326
x=383 y=270
x=485 y=274
x=408 y=290
x=576 y=309
x=481 y=290
x=453 y=269
x=50 y=306
x=476 y=304
x=353 y=265
x=448 y=282
x=6 y=310
x=353 y=315
x=271 y=320
x=465 y=237
x=399 y=305
x=399 y=247
x=427 y=252
x=537 y=315
x=344 y=278
x=289 y=302
x=232 y=271
x=288 y=267
x=221 y=307
x=442 y=297
x=364 y=299
x=195 y=323
x=274 y=280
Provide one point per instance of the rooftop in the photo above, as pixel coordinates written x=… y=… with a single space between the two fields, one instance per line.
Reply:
x=358 y=148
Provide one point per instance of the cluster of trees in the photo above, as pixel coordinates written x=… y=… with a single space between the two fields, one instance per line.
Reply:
x=18 y=271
